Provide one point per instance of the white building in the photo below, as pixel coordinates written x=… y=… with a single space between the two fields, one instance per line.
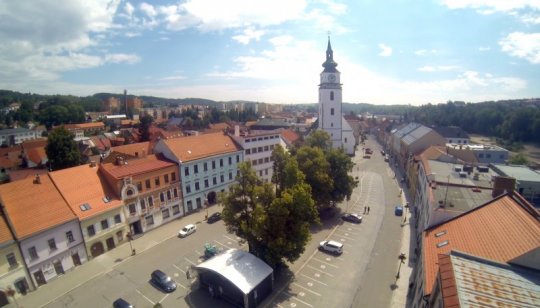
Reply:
x=258 y=147
x=330 y=98
x=13 y=136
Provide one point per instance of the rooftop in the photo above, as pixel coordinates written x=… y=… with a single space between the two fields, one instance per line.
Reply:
x=475 y=147
x=5 y=234
x=501 y=230
x=416 y=134
x=137 y=166
x=520 y=173
x=239 y=267
x=460 y=199
x=443 y=172
x=202 y=146
x=34 y=206
x=470 y=281
x=85 y=191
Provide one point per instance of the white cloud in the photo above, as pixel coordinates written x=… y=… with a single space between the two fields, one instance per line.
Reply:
x=423 y=52
x=438 y=68
x=148 y=9
x=386 y=51
x=522 y=45
x=122 y=58
x=281 y=40
x=495 y=5
x=129 y=9
x=248 y=35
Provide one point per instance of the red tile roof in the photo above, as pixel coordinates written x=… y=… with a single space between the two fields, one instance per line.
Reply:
x=36 y=155
x=36 y=143
x=137 y=166
x=83 y=184
x=134 y=149
x=5 y=232
x=290 y=135
x=6 y=163
x=197 y=147
x=33 y=207
x=501 y=230
x=85 y=125
x=16 y=175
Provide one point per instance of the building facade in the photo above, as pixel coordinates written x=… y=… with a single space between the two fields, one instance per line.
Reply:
x=14 y=136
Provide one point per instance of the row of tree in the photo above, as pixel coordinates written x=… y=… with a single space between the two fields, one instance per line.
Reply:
x=275 y=218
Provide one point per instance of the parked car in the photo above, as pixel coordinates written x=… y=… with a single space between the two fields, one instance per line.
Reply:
x=352 y=217
x=162 y=281
x=214 y=217
x=122 y=303
x=332 y=247
x=187 y=230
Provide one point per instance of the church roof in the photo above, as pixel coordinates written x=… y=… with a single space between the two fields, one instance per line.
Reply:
x=329 y=65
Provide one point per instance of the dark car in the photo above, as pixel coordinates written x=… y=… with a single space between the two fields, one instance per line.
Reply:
x=352 y=217
x=214 y=217
x=162 y=281
x=121 y=303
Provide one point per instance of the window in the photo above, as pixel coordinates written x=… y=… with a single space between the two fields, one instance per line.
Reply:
x=190 y=206
x=259 y=149
x=481 y=155
x=166 y=178
x=173 y=176
x=161 y=197
x=147 y=183
x=222 y=178
x=139 y=186
x=151 y=202
x=254 y=163
x=345 y=139
x=196 y=169
x=206 y=183
x=265 y=148
x=213 y=164
x=188 y=189
x=237 y=158
x=52 y=244
x=214 y=180
x=331 y=111
x=143 y=205
x=197 y=187
x=165 y=213
x=132 y=209
x=261 y=161
x=175 y=193
x=149 y=220
x=176 y=209
x=205 y=166
x=230 y=160
x=169 y=195
x=12 y=261
x=267 y=159
x=117 y=219
x=90 y=230
x=266 y=172
x=104 y=224
x=33 y=253
x=119 y=236
x=332 y=96
x=156 y=180
x=230 y=175
x=331 y=124
x=488 y=155
x=69 y=236
x=221 y=162
x=186 y=171
x=450 y=141
x=254 y=150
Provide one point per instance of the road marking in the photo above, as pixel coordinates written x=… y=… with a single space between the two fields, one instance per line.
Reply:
x=151 y=302
x=178 y=283
x=164 y=297
x=223 y=244
x=347 y=237
x=307 y=289
x=327 y=263
x=230 y=238
x=314 y=268
x=296 y=298
x=198 y=252
x=324 y=284
x=193 y=263
x=179 y=268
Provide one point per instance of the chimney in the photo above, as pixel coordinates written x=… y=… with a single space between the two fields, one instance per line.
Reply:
x=237 y=130
x=502 y=184
x=92 y=163
x=37 y=180
x=119 y=160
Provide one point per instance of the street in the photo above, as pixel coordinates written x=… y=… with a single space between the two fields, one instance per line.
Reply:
x=363 y=276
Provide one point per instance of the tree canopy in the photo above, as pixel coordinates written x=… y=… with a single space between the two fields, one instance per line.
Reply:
x=62 y=151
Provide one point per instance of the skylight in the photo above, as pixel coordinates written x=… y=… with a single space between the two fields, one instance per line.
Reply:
x=442 y=244
x=440 y=233
x=85 y=207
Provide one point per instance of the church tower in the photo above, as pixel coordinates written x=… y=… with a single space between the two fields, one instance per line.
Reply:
x=330 y=117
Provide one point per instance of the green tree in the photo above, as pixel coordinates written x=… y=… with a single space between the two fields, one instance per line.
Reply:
x=518 y=159
x=62 y=150
x=275 y=228
x=341 y=166
x=316 y=168
x=144 y=127
x=320 y=139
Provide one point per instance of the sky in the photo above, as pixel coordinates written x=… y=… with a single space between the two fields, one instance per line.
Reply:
x=388 y=52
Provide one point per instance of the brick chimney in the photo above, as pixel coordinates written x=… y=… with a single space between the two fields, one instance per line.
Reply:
x=37 y=180
x=502 y=184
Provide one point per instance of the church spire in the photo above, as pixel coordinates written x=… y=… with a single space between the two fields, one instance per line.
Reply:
x=329 y=65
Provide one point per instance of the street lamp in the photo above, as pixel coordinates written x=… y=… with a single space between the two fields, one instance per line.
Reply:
x=402 y=259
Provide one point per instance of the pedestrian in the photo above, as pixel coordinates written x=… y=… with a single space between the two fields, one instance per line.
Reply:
x=365 y=209
x=368 y=209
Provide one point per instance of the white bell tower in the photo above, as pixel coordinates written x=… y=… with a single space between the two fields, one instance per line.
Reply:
x=330 y=99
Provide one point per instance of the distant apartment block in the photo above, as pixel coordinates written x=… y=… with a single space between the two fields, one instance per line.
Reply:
x=80 y=130
x=14 y=136
x=453 y=134
x=484 y=154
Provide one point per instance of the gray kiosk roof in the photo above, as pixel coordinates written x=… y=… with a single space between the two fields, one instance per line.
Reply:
x=239 y=267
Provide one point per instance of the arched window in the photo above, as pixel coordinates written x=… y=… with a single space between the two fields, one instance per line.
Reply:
x=331 y=95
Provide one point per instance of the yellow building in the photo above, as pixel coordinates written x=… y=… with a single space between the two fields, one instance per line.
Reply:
x=13 y=274
x=95 y=203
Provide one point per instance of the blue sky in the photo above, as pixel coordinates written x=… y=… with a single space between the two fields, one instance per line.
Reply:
x=389 y=52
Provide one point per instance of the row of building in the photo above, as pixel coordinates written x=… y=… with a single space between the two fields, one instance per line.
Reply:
x=54 y=221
